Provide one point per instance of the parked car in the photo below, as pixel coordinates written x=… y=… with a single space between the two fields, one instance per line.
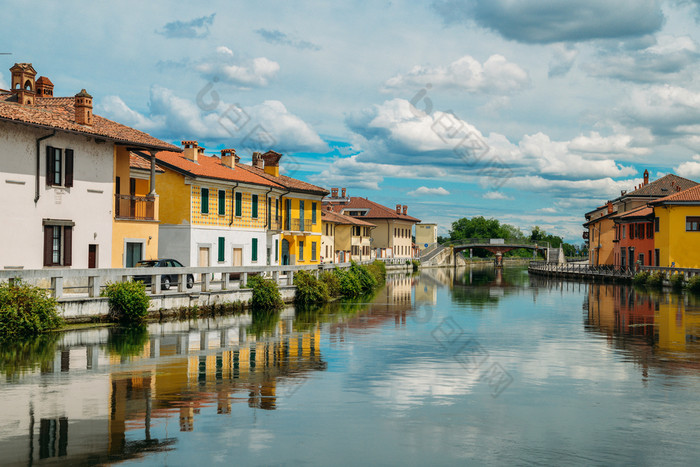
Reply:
x=166 y=280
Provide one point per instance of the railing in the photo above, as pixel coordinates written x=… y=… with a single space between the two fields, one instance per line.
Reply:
x=497 y=242
x=582 y=269
x=301 y=225
x=275 y=223
x=134 y=207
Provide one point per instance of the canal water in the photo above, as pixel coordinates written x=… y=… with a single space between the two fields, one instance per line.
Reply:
x=473 y=366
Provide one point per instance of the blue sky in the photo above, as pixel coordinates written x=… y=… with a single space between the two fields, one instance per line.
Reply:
x=530 y=111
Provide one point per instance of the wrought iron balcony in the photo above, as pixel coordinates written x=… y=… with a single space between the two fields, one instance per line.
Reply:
x=134 y=207
x=299 y=225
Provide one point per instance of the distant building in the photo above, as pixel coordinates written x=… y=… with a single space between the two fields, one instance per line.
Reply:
x=634 y=238
x=426 y=235
x=345 y=238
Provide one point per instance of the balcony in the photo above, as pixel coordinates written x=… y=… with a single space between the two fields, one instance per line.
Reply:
x=275 y=223
x=298 y=225
x=142 y=208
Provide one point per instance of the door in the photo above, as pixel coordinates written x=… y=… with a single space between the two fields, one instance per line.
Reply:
x=92 y=256
x=238 y=256
x=133 y=254
x=285 y=252
x=203 y=258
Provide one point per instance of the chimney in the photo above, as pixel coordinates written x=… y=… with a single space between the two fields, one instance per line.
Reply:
x=343 y=192
x=610 y=207
x=646 y=177
x=334 y=192
x=271 y=160
x=44 y=87
x=329 y=207
x=405 y=209
x=398 y=209
x=83 y=108
x=228 y=158
x=258 y=161
x=23 y=84
x=190 y=150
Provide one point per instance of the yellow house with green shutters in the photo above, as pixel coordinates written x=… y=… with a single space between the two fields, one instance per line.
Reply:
x=677 y=229
x=217 y=213
x=299 y=218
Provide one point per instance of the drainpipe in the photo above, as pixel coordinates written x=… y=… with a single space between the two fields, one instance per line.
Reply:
x=233 y=204
x=38 y=164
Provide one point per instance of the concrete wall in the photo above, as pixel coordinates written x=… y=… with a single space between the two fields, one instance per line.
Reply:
x=426 y=233
x=88 y=203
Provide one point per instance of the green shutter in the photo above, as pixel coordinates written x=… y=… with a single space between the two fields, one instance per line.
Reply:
x=277 y=250
x=255 y=250
x=313 y=213
x=222 y=245
x=255 y=207
x=205 y=201
x=222 y=202
x=239 y=202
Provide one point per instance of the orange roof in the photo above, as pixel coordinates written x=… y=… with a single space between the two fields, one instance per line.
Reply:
x=210 y=167
x=374 y=210
x=643 y=211
x=336 y=218
x=141 y=163
x=58 y=113
x=287 y=182
x=661 y=187
x=689 y=196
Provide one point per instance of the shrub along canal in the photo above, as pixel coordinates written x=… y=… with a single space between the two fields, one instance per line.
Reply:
x=467 y=366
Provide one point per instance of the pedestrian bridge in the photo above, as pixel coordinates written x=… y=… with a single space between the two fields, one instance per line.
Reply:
x=497 y=246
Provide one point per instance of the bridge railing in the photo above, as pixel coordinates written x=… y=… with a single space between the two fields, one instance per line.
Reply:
x=496 y=242
x=583 y=269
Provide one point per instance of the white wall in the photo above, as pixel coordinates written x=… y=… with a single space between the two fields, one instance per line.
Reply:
x=238 y=238
x=22 y=236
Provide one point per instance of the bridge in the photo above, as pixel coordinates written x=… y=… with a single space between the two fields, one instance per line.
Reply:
x=497 y=246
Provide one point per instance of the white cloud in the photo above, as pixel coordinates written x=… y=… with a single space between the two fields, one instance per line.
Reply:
x=424 y=190
x=689 y=169
x=549 y=210
x=496 y=76
x=563 y=58
x=495 y=195
x=224 y=66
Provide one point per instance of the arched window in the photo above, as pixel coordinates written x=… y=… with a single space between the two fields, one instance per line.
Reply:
x=28 y=85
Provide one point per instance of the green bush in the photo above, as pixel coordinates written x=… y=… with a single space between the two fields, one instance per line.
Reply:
x=348 y=283
x=26 y=310
x=694 y=284
x=310 y=291
x=332 y=283
x=677 y=281
x=128 y=302
x=416 y=265
x=266 y=294
x=641 y=278
x=366 y=280
x=378 y=271
x=656 y=279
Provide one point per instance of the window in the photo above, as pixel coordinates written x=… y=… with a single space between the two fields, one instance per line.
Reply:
x=59 y=167
x=288 y=214
x=254 y=250
x=656 y=225
x=650 y=233
x=640 y=231
x=631 y=236
x=222 y=245
x=301 y=215
x=692 y=224
x=239 y=204
x=277 y=250
x=313 y=213
x=301 y=251
x=657 y=256
x=58 y=242
x=222 y=202
x=269 y=213
x=205 y=201
x=624 y=229
x=313 y=251
x=254 y=207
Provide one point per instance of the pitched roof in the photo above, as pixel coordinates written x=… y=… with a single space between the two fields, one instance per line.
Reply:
x=59 y=113
x=689 y=196
x=374 y=210
x=209 y=167
x=642 y=211
x=140 y=162
x=287 y=182
x=664 y=186
x=336 y=218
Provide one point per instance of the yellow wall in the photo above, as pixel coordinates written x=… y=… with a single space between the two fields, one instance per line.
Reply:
x=214 y=219
x=602 y=233
x=675 y=245
x=305 y=237
x=171 y=188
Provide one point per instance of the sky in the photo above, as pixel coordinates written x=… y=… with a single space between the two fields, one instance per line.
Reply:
x=532 y=112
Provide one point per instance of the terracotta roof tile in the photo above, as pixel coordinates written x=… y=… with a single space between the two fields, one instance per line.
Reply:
x=142 y=163
x=210 y=167
x=287 y=182
x=58 y=113
x=691 y=195
x=661 y=187
x=375 y=210
x=330 y=216
x=642 y=211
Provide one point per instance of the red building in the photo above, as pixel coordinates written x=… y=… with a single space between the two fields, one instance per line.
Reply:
x=634 y=237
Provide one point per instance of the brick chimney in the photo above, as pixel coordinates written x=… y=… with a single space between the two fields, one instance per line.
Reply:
x=23 y=84
x=258 y=161
x=398 y=209
x=343 y=192
x=272 y=163
x=405 y=209
x=334 y=192
x=646 y=177
x=190 y=150
x=228 y=158
x=44 y=87
x=610 y=207
x=83 y=108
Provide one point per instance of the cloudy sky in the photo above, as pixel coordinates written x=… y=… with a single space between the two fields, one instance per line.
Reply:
x=529 y=111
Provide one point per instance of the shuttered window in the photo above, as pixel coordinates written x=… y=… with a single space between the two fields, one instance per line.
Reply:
x=313 y=213
x=254 y=207
x=313 y=251
x=59 y=167
x=239 y=204
x=222 y=251
x=222 y=202
x=58 y=243
x=205 y=201
x=254 y=252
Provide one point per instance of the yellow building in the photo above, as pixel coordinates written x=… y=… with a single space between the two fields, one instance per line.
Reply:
x=300 y=211
x=345 y=238
x=677 y=229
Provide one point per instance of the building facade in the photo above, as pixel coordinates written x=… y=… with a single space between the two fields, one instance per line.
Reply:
x=677 y=229
x=634 y=238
